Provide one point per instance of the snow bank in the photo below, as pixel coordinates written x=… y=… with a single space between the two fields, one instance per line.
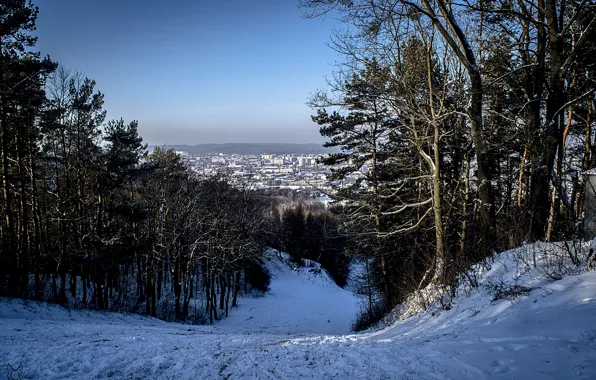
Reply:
x=504 y=275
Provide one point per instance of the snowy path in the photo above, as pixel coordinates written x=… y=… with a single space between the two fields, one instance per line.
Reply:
x=299 y=301
x=548 y=334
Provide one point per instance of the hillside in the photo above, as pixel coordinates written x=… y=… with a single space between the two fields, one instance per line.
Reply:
x=300 y=300
x=542 y=328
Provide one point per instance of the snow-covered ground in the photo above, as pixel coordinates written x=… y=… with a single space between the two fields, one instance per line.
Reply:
x=548 y=333
x=300 y=300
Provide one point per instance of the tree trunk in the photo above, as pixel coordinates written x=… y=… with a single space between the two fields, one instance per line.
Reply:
x=236 y=289
x=176 y=280
x=587 y=158
x=436 y=175
x=465 y=210
x=229 y=288
x=555 y=203
x=222 y=289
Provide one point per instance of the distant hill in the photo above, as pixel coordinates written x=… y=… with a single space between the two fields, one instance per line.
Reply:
x=251 y=148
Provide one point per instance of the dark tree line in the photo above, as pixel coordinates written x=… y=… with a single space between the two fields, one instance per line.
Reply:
x=470 y=124
x=90 y=219
x=309 y=231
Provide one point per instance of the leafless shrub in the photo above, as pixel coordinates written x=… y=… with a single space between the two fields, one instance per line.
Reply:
x=502 y=291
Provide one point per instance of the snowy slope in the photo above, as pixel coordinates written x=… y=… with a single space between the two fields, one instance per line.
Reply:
x=300 y=300
x=547 y=333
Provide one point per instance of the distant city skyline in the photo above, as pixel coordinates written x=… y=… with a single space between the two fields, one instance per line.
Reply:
x=195 y=72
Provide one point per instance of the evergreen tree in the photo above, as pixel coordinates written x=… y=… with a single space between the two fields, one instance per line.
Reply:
x=22 y=77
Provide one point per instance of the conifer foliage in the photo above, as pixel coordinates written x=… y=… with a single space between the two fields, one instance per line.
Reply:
x=91 y=219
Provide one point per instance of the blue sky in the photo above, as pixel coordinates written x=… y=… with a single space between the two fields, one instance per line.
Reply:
x=196 y=71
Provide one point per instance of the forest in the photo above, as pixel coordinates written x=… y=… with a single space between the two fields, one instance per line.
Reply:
x=91 y=219
x=470 y=124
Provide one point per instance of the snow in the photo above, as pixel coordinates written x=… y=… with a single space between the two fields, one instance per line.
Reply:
x=546 y=333
x=300 y=300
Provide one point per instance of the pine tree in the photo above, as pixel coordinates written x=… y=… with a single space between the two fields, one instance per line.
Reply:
x=22 y=76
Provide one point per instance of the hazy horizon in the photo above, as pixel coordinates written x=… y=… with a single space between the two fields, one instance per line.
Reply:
x=242 y=143
x=194 y=136
x=249 y=148
x=196 y=72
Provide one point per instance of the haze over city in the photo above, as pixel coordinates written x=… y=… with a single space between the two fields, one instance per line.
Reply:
x=196 y=71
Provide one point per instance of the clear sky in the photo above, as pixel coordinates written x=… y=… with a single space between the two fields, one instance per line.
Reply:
x=196 y=71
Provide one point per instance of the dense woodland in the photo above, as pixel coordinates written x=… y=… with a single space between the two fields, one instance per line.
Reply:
x=90 y=219
x=469 y=122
